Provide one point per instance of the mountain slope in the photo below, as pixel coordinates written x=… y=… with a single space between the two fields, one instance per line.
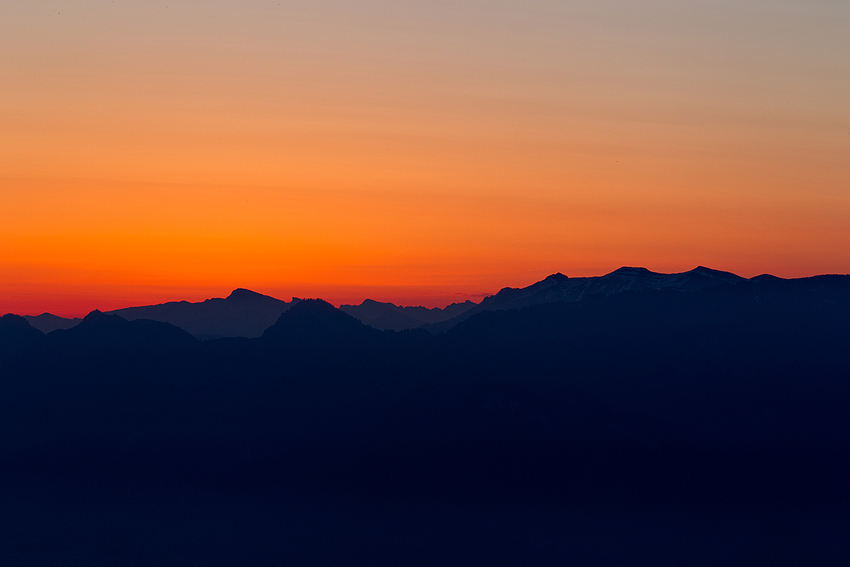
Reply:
x=108 y=333
x=724 y=407
x=47 y=322
x=243 y=313
x=17 y=334
x=388 y=316
x=561 y=288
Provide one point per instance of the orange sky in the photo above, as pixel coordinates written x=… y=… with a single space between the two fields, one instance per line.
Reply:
x=409 y=153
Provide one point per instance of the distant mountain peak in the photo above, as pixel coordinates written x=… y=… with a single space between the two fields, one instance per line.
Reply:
x=314 y=317
x=716 y=274
x=388 y=316
x=16 y=332
x=11 y=320
x=766 y=278
x=552 y=281
x=244 y=313
x=241 y=293
x=311 y=308
x=99 y=318
x=47 y=322
x=705 y=270
x=631 y=270
x=314 y=305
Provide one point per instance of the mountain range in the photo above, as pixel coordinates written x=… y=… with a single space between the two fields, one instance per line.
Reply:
x=245 y=313
x=750 y=370
x=629 y=408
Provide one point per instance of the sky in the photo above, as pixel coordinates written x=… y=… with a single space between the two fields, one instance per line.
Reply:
x=415 y=152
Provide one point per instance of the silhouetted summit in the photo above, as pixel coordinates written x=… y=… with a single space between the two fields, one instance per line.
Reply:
x=14 y=325
x=697 y=393
x=106 y=332
x=731 y=396
x=47 y=322
x=560 y=288
x=16 y=334
x=388 y=316
x=99 y=320
x=317 y=320
x=243 y=313
x=245 y=295
x=555 y=278
x=631 y=271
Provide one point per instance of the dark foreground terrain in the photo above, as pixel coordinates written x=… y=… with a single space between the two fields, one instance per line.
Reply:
x=703 y=427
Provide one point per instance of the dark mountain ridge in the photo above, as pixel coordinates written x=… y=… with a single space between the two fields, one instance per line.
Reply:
x=561 y=288
x=17 y=334
x=108 y=331
x=243 y=313
x=388 y=316
x=733 y=366
x=724 y=406
x=314 y=321
x=47 y=322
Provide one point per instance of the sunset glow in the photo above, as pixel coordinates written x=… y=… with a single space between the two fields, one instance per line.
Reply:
x=421 y=153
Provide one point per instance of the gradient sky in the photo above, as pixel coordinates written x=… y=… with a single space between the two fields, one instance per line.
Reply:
x=416 y=152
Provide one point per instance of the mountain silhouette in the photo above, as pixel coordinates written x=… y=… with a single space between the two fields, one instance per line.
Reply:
x=17 y=334
x=107 y=332
x=720 y=405
x=561 y=288
x=316 y=324
x=243 y=313
x=388 y=316
x=47 y=322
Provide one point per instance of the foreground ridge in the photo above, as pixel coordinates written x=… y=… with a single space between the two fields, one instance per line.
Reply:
x=690 y=411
